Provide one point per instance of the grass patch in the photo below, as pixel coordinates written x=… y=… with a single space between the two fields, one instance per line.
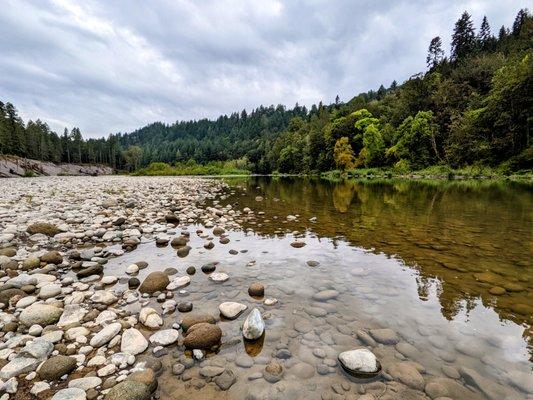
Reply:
x=234 y=167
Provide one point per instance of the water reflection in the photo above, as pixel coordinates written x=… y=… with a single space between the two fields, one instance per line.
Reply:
x=471 y=239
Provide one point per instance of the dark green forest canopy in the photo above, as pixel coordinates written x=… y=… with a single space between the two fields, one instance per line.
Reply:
x=473 y=107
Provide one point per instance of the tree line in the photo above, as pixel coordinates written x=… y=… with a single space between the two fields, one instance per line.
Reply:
x=471 y=107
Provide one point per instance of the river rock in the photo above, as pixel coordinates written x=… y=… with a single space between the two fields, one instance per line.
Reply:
x=326 y=295
x=256 y=289
x=253 y=326
x=225 y=380
x=384 y=336
x=184 y=306
x=178 y=282
x=17 y=366
x=156 y=281
x=57 y=366
x=406 y=373
x=106 y=334
x=72 y=316
x=133 y=342
x=40 y=314
x=219 y=277
x=104 y=297
x=86 y=383
x=128 y=390
x=490 y=388
x=190 y=320
x=70 y=394
x=52 y=257
x=360 y=362
x=202 y=335
x=273 y=372
x=150 y=318
x=231 y=310
x=164 y=337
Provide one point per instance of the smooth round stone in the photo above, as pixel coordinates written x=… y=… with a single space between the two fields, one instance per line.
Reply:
x=132 y=269
x=49 y=291
x=70 y=394
x=273 y=372
x=270 y=301
x=303 y=370
x=231 y=310
x=109 y=280
x=191 y=270
x=185 y=306
x=326 y=295
x=244 y=361
x=360 y=363
x=497 y=291
x=256 y=289
x=219 y=277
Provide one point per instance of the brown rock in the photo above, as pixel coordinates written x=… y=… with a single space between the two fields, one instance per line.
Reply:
x=52 y=257
x=190 y=320
x=256 y=289
x=202 y=336
x=155 y=282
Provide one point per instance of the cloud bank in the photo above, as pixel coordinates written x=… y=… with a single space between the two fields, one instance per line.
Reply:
x=114 y=66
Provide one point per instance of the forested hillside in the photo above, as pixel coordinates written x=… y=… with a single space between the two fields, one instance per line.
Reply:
x=473 y=106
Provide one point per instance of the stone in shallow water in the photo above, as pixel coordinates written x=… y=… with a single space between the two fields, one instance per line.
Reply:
x=253 y=326
x=326 y=295
x=202 y=336
x=226 y=379
x=231 y=310
x=219 y=277
x=384 y=336
x=273 y=372
x=360 y=362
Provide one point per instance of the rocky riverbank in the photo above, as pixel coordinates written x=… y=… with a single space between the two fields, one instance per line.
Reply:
x=125 y=288
x=12 y=167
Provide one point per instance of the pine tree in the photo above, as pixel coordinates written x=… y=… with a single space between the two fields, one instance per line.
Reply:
x=502 y=34
x=435 y=53
x=484 y=32
x=519 y=21
x=463 y=38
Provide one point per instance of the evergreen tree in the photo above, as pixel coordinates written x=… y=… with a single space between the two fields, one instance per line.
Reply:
x=519 y=21
x=484 y=35
x=502 y=34
x=435 y=53
x=463 y=38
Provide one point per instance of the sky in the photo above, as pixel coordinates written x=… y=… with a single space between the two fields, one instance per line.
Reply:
x=114 y=66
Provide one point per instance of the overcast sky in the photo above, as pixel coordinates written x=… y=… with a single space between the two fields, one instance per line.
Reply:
x=113 y=66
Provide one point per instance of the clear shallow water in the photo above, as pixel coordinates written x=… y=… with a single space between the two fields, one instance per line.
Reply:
x=388 y=250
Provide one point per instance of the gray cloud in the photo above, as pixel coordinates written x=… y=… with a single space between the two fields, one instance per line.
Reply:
x=114 y=66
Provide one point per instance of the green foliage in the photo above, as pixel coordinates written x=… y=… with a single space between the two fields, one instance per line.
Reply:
x=192 y=168
x=132 y=156
x=416 y=141
x=343 y=154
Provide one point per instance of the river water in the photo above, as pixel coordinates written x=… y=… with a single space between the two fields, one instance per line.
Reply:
x=445 y=266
